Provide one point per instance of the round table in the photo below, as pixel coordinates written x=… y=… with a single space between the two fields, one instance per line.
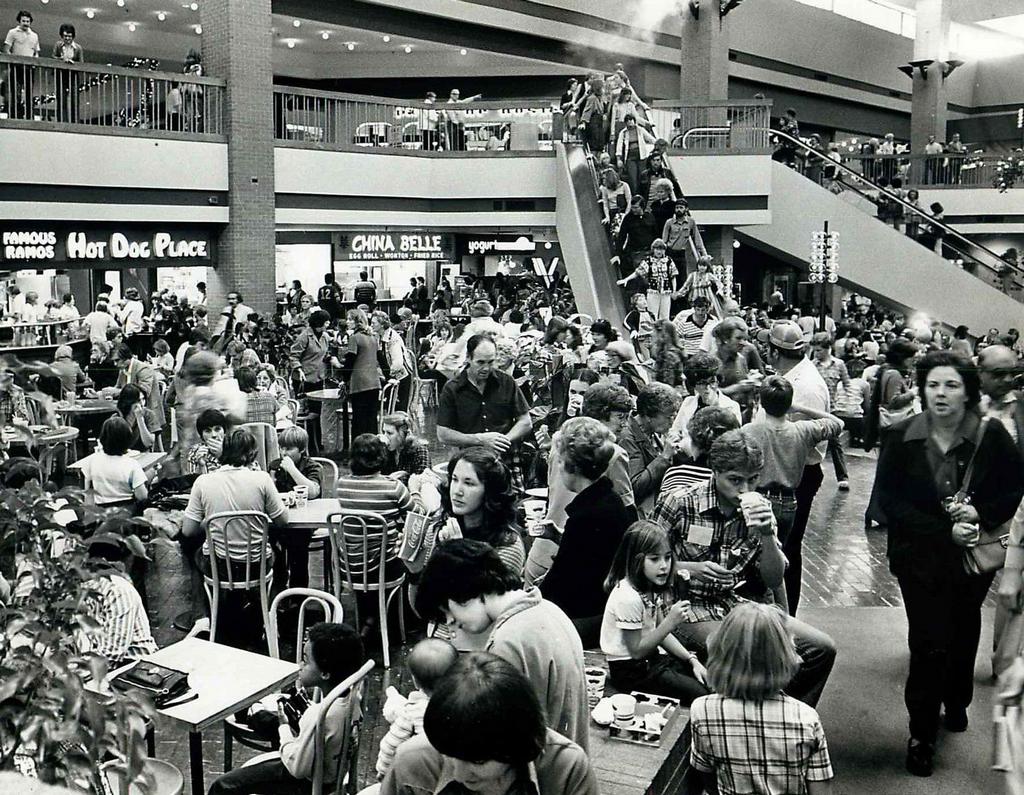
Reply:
x=329 y=440
x=46 y=439
x=88 y=407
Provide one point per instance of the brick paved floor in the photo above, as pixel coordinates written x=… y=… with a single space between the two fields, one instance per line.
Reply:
x=844 y=565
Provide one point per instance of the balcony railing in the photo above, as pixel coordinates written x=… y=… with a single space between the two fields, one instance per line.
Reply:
x=356 y=122
x=929 y=171
x=36 y=91
x=726 y=127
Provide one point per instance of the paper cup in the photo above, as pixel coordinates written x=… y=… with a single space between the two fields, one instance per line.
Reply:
x=301 y=495
x=624 y=707
x=595 y=684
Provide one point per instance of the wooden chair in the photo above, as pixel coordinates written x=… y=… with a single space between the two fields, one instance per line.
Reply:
x=256 y=575
x=332 y=611
x=359 y=557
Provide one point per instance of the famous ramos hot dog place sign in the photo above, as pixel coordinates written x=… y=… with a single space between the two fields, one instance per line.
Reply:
x=68 y=246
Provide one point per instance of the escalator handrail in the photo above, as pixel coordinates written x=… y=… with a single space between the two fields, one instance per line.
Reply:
x=950 y=231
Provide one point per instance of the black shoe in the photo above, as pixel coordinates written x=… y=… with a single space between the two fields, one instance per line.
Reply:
x=955 y=719
x=920 y=758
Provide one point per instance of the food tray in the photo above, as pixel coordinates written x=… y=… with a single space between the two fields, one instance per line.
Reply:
x=637 y=733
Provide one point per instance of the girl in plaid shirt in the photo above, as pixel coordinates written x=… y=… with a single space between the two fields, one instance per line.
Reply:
x=749 y=736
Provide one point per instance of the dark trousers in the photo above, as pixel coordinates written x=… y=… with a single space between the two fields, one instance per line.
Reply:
x=816 y=649
x=404 y=390
x=835 y=449
x=659 y=674
x=792 y=545
x=291 y=558
x=364 y=411
x=944 y=626
x=784 y=507
x=313 y=410
x=266 y=778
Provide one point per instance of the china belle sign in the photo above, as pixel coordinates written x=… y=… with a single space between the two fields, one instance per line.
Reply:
x=391 y=246
x=50 y=247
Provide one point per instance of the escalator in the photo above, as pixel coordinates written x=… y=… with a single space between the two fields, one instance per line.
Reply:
x=583 y=238
x=883 y=263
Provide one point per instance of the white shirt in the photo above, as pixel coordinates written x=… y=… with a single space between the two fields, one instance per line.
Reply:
x=1003 y=411
x=23 y=42
x=114 y=478
x=810 y=390
x=98 y=324
x=689 y=407
x=131 y=317
x=68 y=312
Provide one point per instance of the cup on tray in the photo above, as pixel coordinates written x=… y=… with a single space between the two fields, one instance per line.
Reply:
x=624 y=707
x=595 y=677
x=301 y=496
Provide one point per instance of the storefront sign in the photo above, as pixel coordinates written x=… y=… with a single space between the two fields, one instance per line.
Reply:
x=392 y=246
x=67 y=246
x=502 y=244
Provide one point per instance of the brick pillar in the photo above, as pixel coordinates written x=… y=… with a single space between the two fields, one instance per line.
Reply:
x=237 y=47
x=705 y=53
x=928 y=110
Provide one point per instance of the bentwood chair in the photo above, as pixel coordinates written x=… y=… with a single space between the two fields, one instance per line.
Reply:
x=328 y=490
x=332 y=611
x=388 y=401
x=360 y=553
x=237 y=569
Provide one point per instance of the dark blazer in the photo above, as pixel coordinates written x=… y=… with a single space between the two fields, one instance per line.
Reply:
x=920 y=540
x=597 y=520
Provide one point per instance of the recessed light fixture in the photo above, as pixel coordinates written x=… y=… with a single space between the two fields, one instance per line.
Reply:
x=325 y=35
x=120 y=3
x=407 y=48
x=131 y=27
x=463 y=51
x=351 y=45
x=199 y=30
x=193 y=6
x=44 y=2
x=296 y=23
x=735 y=244
x=290 y=43
x=90 y=14
x=386 y=39
x=161 y=15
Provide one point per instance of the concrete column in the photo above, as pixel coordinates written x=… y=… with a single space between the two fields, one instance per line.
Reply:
x=705 y=53
x=928 y=114
x=237 y=47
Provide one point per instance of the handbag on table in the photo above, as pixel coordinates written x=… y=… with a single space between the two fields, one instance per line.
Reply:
x=166 y=686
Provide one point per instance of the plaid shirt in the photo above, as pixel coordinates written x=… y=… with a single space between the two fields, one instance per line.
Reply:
x=658 y=271
x=12 y=404
x=771 y=747
x=694 y=513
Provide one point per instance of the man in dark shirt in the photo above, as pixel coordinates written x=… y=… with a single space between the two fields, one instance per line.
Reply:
x=422 y=298
x=482 y=405
x=637 y=232
x=365 y=291
x=329 y=297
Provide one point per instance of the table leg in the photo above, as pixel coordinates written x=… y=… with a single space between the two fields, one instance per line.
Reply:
x=195 y=762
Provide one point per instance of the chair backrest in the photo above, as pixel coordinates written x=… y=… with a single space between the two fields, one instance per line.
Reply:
x=252 y=529
x=267 y=449
x=328 y=603
x=293 y=407
x=411 y=364
x=328 y=476
x=388 y=400
x=324 y=768
x=359 y=547
x=283 y=382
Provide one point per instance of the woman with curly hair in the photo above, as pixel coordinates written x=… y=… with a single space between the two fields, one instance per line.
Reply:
x=479 y=504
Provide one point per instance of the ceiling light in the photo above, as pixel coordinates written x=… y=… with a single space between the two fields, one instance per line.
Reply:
x=194 y=6
x=199 y=30
x=131 y=27
x=44 y=2
x=296 y=23
x=325 y=35
x=90 y=14
x=408 y=48
x=351 y=45
x=387 y=39
x=463 y=51
x=291 y=44
x=161 y=15
x=120 y=3
x=735 y=244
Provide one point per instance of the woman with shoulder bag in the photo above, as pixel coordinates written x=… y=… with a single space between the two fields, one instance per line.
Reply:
x=946 y=480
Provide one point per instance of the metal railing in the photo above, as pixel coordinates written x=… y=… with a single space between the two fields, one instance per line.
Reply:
x=356 y=122
x=109 y=97
x=929 y=171
x=971 y=255
x=727 y=126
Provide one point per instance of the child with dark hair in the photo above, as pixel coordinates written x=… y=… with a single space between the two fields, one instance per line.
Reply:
x=484 y=732
x=428 y=661
x=204 y=456
x=115 y=479
x=468 y=586
x=332 y=653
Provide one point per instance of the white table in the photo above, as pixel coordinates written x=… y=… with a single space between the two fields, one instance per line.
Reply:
x=313 y=515
x=226 y=680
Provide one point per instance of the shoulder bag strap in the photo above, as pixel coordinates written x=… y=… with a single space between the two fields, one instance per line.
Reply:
x=965 y=486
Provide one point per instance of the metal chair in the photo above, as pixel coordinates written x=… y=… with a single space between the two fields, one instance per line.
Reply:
x=328 y=489
x=359 y=557
x=416 y=388
x=332 y=611
x=256 y=525
x=388 y=401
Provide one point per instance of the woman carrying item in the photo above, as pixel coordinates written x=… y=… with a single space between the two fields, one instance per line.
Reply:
x=140 y=419
x=750 y=661
x=116 y=480
x=362 y=376
x=944 y=477
x=639 y=618
x=615 y=199
x=310 y=354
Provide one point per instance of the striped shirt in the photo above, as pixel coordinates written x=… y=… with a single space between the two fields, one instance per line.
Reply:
x=124 y=632
x=690 y=334
x=383 y=496
x=773 y=747
x=682 y=476
x=261 y=407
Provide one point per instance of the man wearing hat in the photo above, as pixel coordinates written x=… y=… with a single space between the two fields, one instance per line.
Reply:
x=787 y=351
x=67 y=369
